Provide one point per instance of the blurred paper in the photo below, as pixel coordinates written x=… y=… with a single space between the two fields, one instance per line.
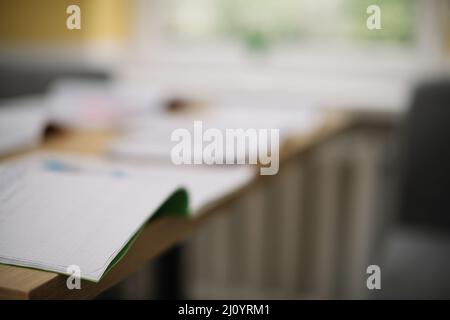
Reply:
x=204 y=184
x=95 y=104
x=149 y=137
x=22 y=124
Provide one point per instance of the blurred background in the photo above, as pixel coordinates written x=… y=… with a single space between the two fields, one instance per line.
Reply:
x=377 y=192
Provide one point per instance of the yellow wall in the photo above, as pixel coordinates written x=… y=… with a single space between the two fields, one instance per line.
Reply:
x=44 y=21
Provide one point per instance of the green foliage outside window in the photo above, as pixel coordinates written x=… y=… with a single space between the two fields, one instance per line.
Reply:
x=262 y=24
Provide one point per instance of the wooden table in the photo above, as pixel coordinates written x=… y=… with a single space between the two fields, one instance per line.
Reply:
x=158 y=236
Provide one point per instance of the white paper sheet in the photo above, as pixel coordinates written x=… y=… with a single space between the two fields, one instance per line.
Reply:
x=22 y=123
x=148 y=137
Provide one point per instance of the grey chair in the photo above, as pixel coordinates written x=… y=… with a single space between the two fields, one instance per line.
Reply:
x=415 y=252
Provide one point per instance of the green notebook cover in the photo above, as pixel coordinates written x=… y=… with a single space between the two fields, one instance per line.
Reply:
x=176 y=205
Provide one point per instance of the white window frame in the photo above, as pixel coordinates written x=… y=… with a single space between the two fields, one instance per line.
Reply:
x=387 y=72
x=427 y=52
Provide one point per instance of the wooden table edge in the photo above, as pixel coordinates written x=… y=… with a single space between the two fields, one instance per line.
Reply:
x=154 y=238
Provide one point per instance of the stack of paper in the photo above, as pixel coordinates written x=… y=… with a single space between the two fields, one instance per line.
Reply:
x=149 y=137
x=22 y=123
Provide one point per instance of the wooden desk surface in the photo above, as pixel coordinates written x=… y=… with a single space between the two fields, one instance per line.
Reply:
x=161 y=234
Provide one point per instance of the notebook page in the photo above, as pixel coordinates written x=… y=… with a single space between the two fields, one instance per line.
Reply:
x=51 y=220
x=204 y=184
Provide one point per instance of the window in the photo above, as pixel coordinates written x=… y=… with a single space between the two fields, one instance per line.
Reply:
x=264 y=24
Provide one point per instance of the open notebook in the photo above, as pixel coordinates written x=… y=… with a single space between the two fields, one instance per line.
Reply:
x=57 y=211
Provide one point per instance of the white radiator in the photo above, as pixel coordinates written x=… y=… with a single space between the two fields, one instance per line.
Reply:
x=308 y=232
